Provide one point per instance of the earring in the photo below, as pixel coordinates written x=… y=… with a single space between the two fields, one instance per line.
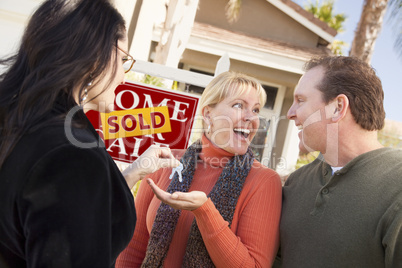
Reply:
x=209 y=129
x=85 y=95
x=86 y=92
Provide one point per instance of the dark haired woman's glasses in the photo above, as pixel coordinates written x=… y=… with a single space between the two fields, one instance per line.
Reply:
x=128 y=61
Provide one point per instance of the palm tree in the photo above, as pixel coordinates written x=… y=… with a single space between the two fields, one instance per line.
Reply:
x=324 y=12
x=233 y=10
x=368 y=29
x=370 y=24
x=395 y=7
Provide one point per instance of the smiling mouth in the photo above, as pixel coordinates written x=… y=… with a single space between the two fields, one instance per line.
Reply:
x=242 y=131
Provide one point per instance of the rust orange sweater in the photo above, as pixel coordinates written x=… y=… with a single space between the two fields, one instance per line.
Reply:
x=251 y=241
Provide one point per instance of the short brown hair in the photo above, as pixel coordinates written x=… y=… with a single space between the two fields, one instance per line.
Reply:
x=359 y=82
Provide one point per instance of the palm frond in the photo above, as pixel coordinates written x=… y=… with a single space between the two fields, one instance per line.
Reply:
x=395 y=7
x=233 y=10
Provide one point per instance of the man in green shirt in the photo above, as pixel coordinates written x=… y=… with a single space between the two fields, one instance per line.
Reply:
x=345 y=208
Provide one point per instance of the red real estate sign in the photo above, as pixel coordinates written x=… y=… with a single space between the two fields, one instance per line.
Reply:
x=142 y=116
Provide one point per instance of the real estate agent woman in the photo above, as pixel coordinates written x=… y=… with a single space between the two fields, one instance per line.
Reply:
x=63 y=203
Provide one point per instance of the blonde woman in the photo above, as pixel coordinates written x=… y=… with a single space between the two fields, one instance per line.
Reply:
x=225 y=212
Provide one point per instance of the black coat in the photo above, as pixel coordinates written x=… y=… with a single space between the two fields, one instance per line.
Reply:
x=62 y=205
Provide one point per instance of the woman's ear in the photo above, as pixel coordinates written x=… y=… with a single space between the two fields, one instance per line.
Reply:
x=206 y=114
x=340 y=106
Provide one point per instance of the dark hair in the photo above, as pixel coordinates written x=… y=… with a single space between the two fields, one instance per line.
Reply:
x=359 y=82
x=66 y=45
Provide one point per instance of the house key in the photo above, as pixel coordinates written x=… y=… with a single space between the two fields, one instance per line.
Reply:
x=178 y=169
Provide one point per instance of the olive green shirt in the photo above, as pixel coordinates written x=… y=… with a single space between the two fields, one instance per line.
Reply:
x=352 y=218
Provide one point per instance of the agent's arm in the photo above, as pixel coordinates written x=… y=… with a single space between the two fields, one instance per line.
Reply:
x=68 y=210
x=151 y=160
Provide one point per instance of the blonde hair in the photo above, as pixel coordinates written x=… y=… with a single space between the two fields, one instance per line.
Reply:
x=230 y=84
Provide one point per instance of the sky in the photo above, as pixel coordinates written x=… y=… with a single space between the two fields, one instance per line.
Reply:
x=385 y=59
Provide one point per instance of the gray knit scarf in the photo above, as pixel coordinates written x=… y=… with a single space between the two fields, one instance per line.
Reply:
x=224 y=195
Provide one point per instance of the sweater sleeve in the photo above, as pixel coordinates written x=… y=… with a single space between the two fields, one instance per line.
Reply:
x=392 y=239
x=135 y=252
x=66 y=213
x=257 y=239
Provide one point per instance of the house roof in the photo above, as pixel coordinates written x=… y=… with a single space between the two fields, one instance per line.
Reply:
x=305 y=18
x=281 y=55
x=210 y=32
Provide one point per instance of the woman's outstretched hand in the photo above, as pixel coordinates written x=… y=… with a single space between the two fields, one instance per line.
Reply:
x=151 y=160
x=179 y=200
